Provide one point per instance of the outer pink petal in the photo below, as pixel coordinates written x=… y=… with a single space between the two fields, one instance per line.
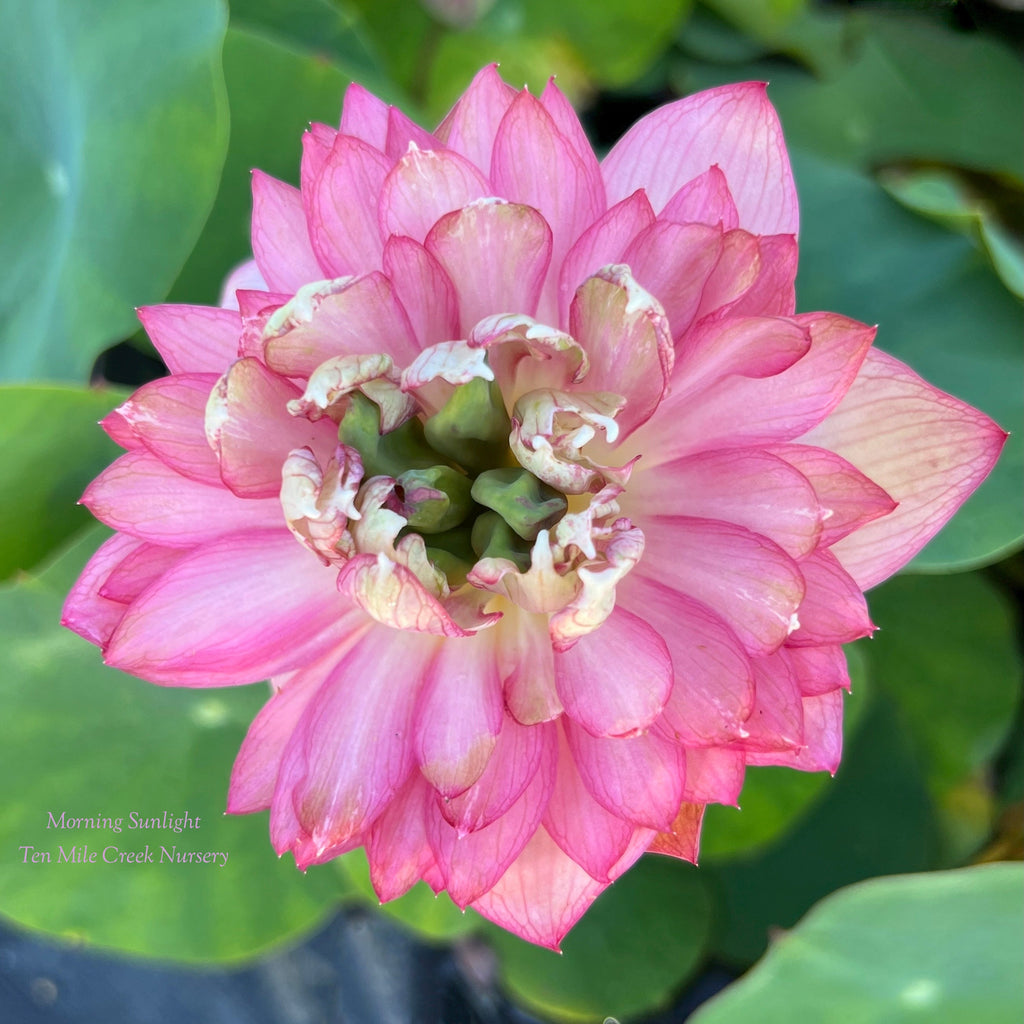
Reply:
x=714 y=775
x=245 y=277
x=733 y=126
x=135 y=572
x=683 y=840
x=85 y=611
x=473 y=122
x=542 y=895
x=254 y=431
x=351 y=751
x=594 y=837
x=147 y=499
x=236 y=610
x=341 y=208
x=927 y=449
x=316 y=150
x=396 y=845
x=773 y=290
x=833 y=610
x=777 y=721
x=714 y=686
x=639 y=778
x=520 y=750
x=363 y=317
x=364 y=116
x=616 y=680
x=280 y=235
x=744 y=486
x=817 y=670
x=748 y=580
x=404 y=133
x=535 y=164
x=424 y=185
x=704 y=200
x=847 y=497
x=602 y=243
x=473 y=862
x=193 y=339
x=497 y=255
x=673 y=261
x=167 y=415
x=459 y=714
x=424 y=290
x=822 y=737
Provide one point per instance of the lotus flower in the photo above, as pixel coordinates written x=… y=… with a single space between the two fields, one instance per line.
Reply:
x=520 y=477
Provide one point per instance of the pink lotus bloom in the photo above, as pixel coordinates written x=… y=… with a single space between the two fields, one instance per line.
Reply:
x=520 y=477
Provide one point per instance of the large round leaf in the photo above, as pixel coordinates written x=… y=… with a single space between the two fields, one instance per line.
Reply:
x=112 y=133
x=88 y=753
x=945 y=948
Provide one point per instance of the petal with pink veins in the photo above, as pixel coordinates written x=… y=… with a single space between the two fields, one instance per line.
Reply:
x=364 y=116
x=714 y=775
x=682 y=841
x=341 y=208
x=776 y=722
x=193 y=339
x=817 y=670
x=616 y=680
x=497 y=255
x=704 y=200
x=453 y=749
x=638 y=778
x=142 y=496
x=772 y=292
x=280 y=235
x=135 y=572
x=733 y=126
x=833 y=610
x=396 y=845
x=527 y=667
x=251 y=604
x=86 y=611
x=424 y=290
x=472 y=123
x=927 y=449
x=822 y=745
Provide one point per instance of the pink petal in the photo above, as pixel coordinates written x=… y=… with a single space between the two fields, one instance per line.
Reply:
x=254 y=775
x=349 y=318
x=714 y=775
x=528 y=667
x=744 y=486
x=737 y=269
x=833 y=610
x=673 y=261
x=424 y=185
x=733 y=126
x=535 y=164
x=927 y=449
x=639 y=778
x=167 y=415
x=280 y=236
x=704 y=200
x=459 y=714
x=496 y=254
x=520 y=750
x=424 y=290
x=625 y=333
x=748 y=580
x=396 y=845
x=236 y=610
x=317 y=144
x=341 y=208
x=773 y=289
x=542 y=895
x=193 y=339
x=776 y=722
x=137 y=570
x=120 y=431
x=245 y=277
x=473 y=122
x=822 y=737
x=847 y=497
x=473 y=862
x=615 y=680
x=90 y=615
x=714 y=687
x=594 y=837
x=364 y=116
x=817 y=670
x=351 y=752
x=253 y=431
x=141 y=496
x=683 y=839
x=403 y=133
x=602 y=243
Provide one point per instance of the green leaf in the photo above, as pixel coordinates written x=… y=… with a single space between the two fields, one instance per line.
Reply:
x=274 y=93
x=84 y=741
x=639 y=942
x=945 y=948
x=52 y=449
x=775 y=799
x=876 y=818
x=112 y=133
x=939 y=309
x=946 y=651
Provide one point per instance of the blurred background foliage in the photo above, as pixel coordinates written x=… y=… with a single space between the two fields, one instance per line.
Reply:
x=126 y=136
